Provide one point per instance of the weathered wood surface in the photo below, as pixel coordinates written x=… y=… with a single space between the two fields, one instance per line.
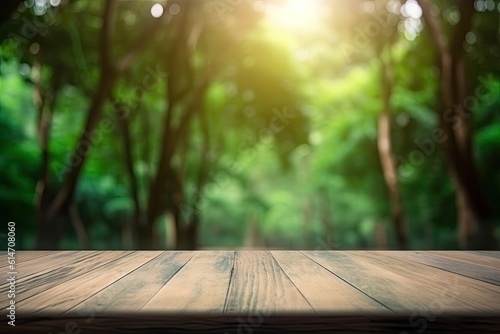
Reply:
x=98 y=285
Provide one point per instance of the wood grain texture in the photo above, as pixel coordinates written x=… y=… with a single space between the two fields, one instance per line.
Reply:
x=398 y=289
x=27 y=261
x=324 y=291
x=53 y=261
x=494 y=254
x=51 y=270
x=25 y=257
x=461 y=291
x=484 y=269
x=471 y=257
x=258 y=285
x=134 y=290
x=62 y=297
x=200 y=286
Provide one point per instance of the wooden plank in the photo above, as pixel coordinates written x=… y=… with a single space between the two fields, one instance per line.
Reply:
x=62 y=297
x=493 y=254
x=322 y=289
x=253 y=282
x=258 y=285
x=401 y=293
x=200 y=286
x=35 y=254
x=80 y=263
x=28 y=273
x=471 y=257
x=52 y=261
x=458 y=263
x=25 y=258
x=479 y=295
x=131 y=292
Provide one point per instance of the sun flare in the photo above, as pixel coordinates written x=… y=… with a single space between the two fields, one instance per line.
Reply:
x=295 y=14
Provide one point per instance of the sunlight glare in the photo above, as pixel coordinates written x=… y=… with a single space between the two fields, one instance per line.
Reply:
x=293 y=14
x=411 y=9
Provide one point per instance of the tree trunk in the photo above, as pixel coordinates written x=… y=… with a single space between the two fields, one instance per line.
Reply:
x=50 y=231
x=171 y=138
x=45 y=103
x=60 y=205
x=381 y=235
x=79 y=226
x=186 y=238
x=326 y=218
x=466 y=221
x=129 y=166
x=65 y=195
x=387 y=161
x=127 y=235
x=253 y=234
x=186 y=232
x=475 y=229
x=145 y=237
x=180 y=85
x=109 y=73
x=307 y=219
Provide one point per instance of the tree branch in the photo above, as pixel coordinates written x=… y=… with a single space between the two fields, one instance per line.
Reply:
x=466 y=9
x=109 y=75
x=129 y=161
x=139 y=44
x=435 y=31
x=107 y=33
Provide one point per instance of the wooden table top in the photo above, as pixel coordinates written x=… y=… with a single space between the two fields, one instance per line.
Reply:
x=255 y=282
x=253 y=292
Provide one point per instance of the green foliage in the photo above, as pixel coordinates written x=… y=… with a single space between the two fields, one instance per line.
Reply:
x=286 y=131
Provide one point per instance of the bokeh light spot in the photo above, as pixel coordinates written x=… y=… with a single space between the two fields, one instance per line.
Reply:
x=157 y=10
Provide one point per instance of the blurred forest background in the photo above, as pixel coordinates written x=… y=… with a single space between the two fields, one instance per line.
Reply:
x=293 y=124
